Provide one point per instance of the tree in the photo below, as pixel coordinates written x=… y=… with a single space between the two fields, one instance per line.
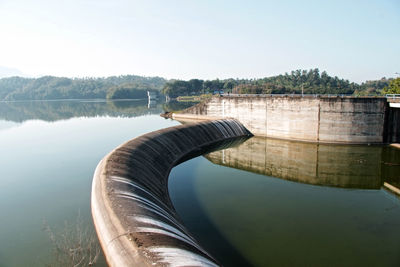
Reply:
x=49 y=87
x=393 y=87
x=229 y=84
x=196 y=85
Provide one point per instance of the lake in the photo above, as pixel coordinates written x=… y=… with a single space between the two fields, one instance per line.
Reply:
x=48 y=154
x=264 y=202
x=271 y=202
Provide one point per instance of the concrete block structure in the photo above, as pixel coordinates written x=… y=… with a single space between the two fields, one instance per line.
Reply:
x=325 y=119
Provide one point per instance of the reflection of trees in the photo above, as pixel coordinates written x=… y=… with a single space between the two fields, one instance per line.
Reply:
x=49 y=87
x=175 y=105
x=59 y=110
x=329 y=165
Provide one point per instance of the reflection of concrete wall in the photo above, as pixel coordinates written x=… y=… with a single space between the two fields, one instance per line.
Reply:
x=317 y=119
x=331 y=165
x=391 y=166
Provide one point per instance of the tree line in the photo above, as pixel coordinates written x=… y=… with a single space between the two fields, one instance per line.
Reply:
x=131 y=86
x=50 y=87
x=297 y=82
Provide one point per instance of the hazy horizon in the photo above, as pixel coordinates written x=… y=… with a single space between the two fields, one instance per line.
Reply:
x=355 y=40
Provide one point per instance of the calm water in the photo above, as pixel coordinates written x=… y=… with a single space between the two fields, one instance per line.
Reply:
x=277 y=203
x=326 y=206
x=48 y=153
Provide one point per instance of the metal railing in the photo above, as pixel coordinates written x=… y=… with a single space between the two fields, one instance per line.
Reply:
x=393 y=96
x=290 y=95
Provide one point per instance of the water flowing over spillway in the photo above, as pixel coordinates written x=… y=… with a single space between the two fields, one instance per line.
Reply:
x=133 y=215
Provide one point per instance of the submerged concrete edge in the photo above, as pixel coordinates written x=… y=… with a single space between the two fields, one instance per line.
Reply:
x=392 y=188
x=133 y=216
x=395 y=145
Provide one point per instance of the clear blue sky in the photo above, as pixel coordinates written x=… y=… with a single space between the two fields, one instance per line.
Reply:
x=356 y=40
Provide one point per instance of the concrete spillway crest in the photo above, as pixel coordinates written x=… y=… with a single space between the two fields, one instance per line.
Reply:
x=133 y=215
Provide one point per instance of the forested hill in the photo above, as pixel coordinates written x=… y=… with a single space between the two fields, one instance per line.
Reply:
x=50 y=87
x=132 y=86
x=310 y=82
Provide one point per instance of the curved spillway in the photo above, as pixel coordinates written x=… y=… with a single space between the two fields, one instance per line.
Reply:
x=133 y=215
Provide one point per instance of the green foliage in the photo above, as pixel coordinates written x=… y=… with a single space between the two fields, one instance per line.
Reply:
x=129 y=91
x=393 y=87
x=177 y=88
x=309 y=82
x=372 y=88
x=131 y=86
x=49 y=87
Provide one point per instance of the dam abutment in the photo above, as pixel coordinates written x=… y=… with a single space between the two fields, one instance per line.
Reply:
x=324 y=119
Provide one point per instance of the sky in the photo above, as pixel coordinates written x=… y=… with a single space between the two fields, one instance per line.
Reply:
x=355 y=40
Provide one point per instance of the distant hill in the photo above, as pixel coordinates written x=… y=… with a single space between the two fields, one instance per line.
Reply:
x=132 y=86
x=50 y=87
x=9 y=72
x=310 y=82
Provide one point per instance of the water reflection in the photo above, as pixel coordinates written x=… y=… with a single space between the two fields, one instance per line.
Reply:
x=21 y=111
x=151 y=103
x=46 y=173
x=246 y=219
x=61 y=110
x=363 y=167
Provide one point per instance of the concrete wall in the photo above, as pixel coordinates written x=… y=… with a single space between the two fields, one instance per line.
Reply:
x=315 y=119
x=393 y=125
x=132 y=213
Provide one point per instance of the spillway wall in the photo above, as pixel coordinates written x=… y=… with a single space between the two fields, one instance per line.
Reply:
x=133 y=215
x=315 y=119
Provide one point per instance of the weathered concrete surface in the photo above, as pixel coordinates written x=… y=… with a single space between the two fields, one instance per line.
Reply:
x=326 y=165
x=315 y=119
x=393 y=125
x=133 y=215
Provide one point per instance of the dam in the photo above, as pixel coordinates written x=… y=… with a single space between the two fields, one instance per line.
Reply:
x=323 y=119
x=139 y=223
